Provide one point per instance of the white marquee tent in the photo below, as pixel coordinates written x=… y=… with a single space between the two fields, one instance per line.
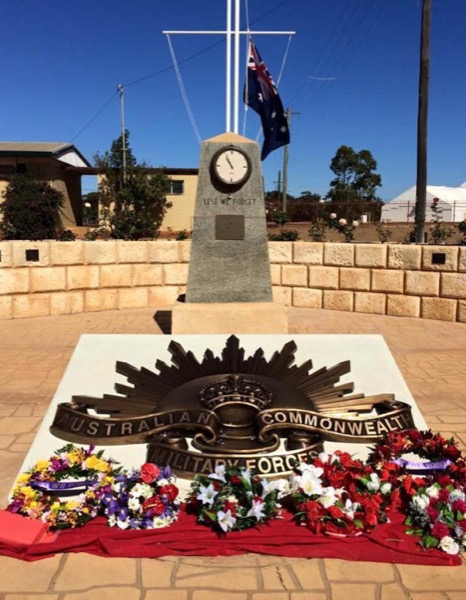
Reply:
x=451 y=203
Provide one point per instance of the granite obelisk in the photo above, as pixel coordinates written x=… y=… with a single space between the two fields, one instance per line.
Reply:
x=229 y=284
x=229 y=253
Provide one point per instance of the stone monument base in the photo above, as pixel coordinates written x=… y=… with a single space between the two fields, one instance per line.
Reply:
x=229 y=317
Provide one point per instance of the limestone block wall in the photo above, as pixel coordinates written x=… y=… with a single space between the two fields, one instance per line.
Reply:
x=52 y=278
x=399 y=280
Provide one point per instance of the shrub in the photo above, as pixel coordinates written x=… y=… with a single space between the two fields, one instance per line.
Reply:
x=67 y=236
x=31 y=210
x=440 y=232
x=462 y=229
x=285 y=235
x=383 y=233
x=317 y=231
x=98 y=233
x=342 y=226
x=281 y=218
x=182 y=235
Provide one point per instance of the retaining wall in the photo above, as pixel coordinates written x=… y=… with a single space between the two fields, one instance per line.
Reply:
x=52 y=278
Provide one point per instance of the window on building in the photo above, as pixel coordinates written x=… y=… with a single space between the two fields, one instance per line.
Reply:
x=6 y=170
x=10 y=169
x=177 y=187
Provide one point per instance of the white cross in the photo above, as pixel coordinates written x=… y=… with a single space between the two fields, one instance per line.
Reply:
x=229 y=33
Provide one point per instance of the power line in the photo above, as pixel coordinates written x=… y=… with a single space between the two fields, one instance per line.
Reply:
x=348 y=50
x=335 y=57
x=334 y=35
x=95 y=116
x=347 y=35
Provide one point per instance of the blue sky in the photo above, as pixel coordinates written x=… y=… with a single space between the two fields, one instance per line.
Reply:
x=351 y=72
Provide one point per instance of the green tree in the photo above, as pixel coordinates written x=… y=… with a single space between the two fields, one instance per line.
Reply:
x=356 y=178
x=31 y=210
x=90 y=203
x=111 y=162
x=308 y=196
x=133 y=199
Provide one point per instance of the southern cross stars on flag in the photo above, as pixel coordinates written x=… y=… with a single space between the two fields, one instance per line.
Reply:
x=261 y=95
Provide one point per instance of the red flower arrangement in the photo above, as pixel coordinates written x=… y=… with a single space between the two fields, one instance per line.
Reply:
x=336 y=494
x=442 y=457
x=436 y=512
x=425 y=444
x=433 y=499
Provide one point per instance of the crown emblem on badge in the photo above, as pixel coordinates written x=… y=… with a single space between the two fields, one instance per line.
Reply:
x=236 y=400
x=237 y=390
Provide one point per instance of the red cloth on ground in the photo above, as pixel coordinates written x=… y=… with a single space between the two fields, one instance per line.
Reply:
x=280 y=537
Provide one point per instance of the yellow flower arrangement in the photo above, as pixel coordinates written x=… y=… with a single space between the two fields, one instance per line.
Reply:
x=36 y=493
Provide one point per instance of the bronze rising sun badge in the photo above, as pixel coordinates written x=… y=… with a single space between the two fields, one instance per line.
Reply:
x=231 y=409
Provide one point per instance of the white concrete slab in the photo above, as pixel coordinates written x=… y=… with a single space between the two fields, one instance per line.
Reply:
x=91 y=371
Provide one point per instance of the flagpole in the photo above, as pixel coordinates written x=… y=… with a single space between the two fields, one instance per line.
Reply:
x=228 y=71
x=236 y=67
x=231 y=77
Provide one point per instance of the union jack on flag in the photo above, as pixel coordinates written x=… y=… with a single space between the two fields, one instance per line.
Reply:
x=261 y=95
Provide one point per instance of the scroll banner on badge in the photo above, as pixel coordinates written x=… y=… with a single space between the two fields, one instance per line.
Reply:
x=187 y=463
x=73 y=425
x=336 y=429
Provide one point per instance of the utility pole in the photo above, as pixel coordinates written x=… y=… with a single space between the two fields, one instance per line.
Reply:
x=123 y=130
x=421 y=179
x=279 y=182
x=288 y=114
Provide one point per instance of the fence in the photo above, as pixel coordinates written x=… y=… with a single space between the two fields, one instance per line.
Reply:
x=299 y=210
x=404 y=211
x=368 y=212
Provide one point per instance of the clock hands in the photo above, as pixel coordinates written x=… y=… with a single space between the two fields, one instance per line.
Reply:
x=230 y=167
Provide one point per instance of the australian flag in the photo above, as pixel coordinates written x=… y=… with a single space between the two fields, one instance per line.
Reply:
x=261 y=95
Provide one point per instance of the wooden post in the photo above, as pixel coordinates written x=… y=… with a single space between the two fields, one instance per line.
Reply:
x=421 y=179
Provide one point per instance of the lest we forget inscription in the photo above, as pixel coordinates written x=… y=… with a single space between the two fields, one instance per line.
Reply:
x=229 y=253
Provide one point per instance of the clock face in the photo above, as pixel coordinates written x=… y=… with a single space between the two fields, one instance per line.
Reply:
x=231 y=166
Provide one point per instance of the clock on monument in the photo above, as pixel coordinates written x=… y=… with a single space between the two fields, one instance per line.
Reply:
x=230 y=168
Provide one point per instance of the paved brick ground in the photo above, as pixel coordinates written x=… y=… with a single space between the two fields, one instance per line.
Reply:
x=33 y=356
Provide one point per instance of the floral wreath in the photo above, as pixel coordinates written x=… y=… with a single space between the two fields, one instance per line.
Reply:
x=142 y=499
x=233 y=499
x=338 y=495
x=436 y=512
x=40 y=492
x=432 y=493
x=441 y=454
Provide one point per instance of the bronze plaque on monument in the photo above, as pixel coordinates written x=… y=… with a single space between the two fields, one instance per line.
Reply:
x=229 y=227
